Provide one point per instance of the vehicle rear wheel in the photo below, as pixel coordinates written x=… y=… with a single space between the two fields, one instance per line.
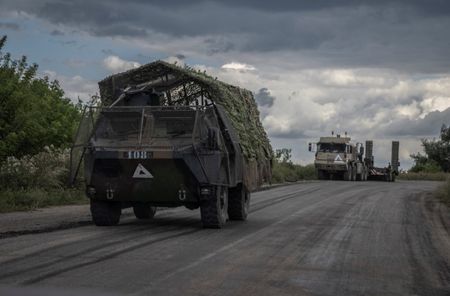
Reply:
x=105 y=213
x=144 y=211
x=238 y=203
x=214 y=208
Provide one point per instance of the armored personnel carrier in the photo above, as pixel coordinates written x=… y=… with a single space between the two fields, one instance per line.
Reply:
x=167 y=136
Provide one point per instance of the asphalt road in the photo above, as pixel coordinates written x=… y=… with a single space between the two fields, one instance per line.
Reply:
x=319 y=238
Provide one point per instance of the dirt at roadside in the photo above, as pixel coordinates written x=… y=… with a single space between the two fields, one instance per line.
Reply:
x=42 y=220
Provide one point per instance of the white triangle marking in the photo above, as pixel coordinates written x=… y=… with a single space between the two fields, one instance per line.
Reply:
x=338 y=159
x=142 y=173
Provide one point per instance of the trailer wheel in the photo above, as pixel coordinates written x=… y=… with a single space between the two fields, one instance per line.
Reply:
x=238 y=203
x=105 y=213
x=144 y=211
x=214 y=208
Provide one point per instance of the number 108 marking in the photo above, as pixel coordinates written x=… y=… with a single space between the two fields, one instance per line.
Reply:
x=138 y=154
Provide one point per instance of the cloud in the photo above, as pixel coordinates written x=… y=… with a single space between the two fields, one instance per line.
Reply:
x=116 y=64
x=57 y=33
x=403 y=35
x=75 y=87
x=419 y=127
x=264 y=98
x=238 y=66
x=377 y=69
x=9 y=26
x=176 y=59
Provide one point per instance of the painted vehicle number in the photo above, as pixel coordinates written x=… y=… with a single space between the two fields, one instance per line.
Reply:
x=139 y=154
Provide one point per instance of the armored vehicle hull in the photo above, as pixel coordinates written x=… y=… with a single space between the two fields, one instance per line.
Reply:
x=170 y=140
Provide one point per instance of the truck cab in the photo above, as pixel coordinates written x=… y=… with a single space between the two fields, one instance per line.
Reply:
x=338 y=158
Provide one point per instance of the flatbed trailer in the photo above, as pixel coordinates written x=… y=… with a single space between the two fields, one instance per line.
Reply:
x=388 y=173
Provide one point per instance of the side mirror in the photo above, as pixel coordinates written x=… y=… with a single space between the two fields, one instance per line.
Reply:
x=309 y=147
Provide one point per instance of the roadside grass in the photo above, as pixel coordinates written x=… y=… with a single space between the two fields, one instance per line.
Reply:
x=38 y=181
x=443 y=192
x=439 y=176
x=288 y=172
x=31 y=199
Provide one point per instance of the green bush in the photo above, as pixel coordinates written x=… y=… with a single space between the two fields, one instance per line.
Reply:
x=30 y=199
x=443 y=192
x=38 y=181
x=289 y=172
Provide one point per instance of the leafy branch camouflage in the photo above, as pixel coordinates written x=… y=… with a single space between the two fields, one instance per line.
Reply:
x=183 y=85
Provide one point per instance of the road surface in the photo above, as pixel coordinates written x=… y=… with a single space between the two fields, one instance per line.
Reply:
x=318 y=238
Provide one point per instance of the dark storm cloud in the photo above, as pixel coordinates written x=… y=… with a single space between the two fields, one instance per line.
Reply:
x=429 y=125
x=57 y=33
x=9 y=26
x=264 y=98
x=406 y=35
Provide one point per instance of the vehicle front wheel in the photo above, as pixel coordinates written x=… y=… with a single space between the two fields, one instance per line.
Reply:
x=144 y=211
x=213 y=208
x=105 y=213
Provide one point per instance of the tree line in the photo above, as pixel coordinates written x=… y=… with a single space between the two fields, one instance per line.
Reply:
x=34 y=112
x=436 y=157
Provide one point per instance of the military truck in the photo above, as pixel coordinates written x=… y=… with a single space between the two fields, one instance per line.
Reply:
x=338 y=158
x=167 y=136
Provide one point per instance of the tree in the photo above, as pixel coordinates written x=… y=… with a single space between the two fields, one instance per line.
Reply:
x=437 y=154
x=283 y=155
x=33 y=111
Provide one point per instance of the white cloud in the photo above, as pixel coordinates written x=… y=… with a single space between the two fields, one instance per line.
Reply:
x=75 y=87
x=368 y=103
x=175 y=60
x=238 y=66
x=116 y=64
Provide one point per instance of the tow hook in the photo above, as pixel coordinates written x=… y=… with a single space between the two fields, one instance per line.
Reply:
x=109 y=193
x=182 y=194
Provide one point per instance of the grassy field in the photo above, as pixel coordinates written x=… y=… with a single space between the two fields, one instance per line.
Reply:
x=440 y=176
x=31 y=199
x=443 y=192
x=38 y=181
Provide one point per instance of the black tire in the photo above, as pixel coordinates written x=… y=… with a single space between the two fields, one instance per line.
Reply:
x=214 y=208
x=144 y=211
x=348 y=174
x=353 y=174
x=105 y=213
x=359 y=177
x=321 y=175
x=238 y=203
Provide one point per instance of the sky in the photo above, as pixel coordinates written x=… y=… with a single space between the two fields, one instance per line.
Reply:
x=379 y=70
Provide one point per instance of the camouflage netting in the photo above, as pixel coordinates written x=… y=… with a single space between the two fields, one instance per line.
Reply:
x=239 y=103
